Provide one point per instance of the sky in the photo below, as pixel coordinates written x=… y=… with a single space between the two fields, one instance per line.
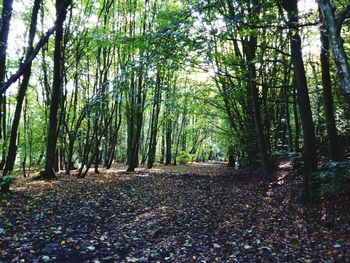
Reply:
x=307 y=5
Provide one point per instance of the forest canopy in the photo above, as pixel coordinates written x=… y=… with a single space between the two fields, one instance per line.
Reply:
x=86 y=84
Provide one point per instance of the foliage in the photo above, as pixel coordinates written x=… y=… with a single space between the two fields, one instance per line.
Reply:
x=176 y=69
x=184 y=158
x=7 y=179
x=333 y=178
x=281 y=154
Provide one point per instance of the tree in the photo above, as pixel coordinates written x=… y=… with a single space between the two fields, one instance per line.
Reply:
x=310 y=156
x=6 y=14
x=154 y=120
x=12 y=149
x=56 y=92
x=333 y=25
x=250 y=46
x=334 y=148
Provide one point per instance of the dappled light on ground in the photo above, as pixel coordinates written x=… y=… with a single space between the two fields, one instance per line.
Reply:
x=165 y=216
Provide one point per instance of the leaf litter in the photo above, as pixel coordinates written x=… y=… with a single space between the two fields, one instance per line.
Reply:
x=193 y=213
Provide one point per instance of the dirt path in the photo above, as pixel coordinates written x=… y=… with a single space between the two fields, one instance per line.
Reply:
x=199 y=213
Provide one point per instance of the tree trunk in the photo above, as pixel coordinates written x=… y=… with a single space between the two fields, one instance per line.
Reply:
x=12 y=149
x=168 y=141
x=310 y=157
x=231 y=156
x=154 y=123
x=333 y=26
x=251 y=57
x=56 y=91
x=296 y=121
x=162 y=147
x=4 y=33
x=318 y=100
x=285 y=92
x=335 y=151
x=135 y=124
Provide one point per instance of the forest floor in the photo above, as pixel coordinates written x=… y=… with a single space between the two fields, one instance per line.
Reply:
x=193 y=213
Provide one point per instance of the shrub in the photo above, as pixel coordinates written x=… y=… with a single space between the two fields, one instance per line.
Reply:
x=183 y=158
x=333 y=178
x=7 y=179
x=279 y=155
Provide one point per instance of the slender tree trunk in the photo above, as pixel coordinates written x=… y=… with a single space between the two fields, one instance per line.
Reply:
x=336 y=153
x=136 y=126
x=115 y=135
x=310 y=157
x=232 y=154
x=6 y=15
x=30 y=149
x=285 y=92
x=333 y=26
x=296 y=122
x=162 y=147
x=56 y=92
x=25 y=130
x=318 y=100
x=251 y=56
x=154 y=123
x=168 y=140
x=12 y=149
x=56 y=163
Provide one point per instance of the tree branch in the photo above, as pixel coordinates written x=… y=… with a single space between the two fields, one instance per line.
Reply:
x=43 y=40
x=26 y=64
x=342 y=17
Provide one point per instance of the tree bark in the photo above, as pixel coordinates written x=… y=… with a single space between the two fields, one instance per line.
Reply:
x=251 y=56
x=168 y=138
x=336 y=153
x=333 y=26
x=154 y=123
x=4 y=33
x=285 y=93
x=310 y=157
x=56 y=92
x=12 y=149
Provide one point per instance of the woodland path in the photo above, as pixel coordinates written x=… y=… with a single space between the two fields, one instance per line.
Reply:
x=193 y=213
